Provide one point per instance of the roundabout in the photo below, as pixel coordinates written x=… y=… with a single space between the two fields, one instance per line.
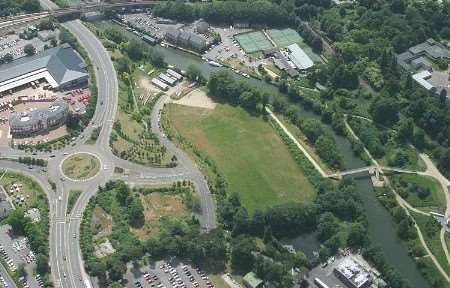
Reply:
x=80 y=166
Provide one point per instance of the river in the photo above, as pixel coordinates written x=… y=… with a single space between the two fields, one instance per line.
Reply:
x=381 y=226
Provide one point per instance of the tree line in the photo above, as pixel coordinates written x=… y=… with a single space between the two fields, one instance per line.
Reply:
x=229 y=12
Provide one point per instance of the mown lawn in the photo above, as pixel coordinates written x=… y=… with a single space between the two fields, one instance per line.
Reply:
x=431 y=235
x=434 y=202
x=247 y=150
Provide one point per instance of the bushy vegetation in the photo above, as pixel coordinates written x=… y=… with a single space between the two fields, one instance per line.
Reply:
x=255 y=12
x=10 y=8
x=37 y=233
x=178 y=236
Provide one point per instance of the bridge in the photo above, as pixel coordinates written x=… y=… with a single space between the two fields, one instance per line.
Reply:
x=9 y=23
x=373 y=169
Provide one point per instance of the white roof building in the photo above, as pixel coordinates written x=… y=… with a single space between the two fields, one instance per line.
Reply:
x=299 y=57
x=422 y=77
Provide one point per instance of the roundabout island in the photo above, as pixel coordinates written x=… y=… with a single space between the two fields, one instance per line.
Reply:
x=80 y=166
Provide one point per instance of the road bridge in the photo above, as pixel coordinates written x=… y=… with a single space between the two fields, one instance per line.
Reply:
x=10 y=23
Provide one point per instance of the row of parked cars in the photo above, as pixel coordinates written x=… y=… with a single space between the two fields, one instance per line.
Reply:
x=7 y=259
x=3 y=282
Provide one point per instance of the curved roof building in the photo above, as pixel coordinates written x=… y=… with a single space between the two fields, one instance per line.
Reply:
x=23 y=124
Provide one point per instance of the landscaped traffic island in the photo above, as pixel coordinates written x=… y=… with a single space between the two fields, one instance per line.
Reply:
x=81 y=166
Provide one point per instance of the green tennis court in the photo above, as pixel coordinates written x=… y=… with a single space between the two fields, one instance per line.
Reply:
x=284 y=37
x=253 y=41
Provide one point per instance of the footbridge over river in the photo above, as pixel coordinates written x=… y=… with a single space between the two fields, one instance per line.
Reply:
x=373 y=170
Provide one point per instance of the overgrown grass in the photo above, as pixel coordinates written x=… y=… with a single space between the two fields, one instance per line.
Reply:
x=249 y=153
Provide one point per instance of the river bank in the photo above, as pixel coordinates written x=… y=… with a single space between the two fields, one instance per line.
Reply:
x=380 y=225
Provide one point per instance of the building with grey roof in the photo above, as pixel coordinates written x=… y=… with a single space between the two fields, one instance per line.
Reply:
x=25 y=124
x=186 y=39
x=416 y=57
x=61 y=67
x=299 y=57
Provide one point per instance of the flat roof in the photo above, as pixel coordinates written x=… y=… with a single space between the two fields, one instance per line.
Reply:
x=421 y=79
x=299 y=57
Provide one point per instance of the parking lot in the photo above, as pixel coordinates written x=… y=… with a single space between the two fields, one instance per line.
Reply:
x=154 y=26
x=16 y=252
x=13 y=45
x=167 y=274
x=229 y=49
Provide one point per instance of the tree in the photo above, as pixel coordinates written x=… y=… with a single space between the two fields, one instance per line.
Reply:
x=357 y=235
x=7 y=58
x=135 y=50
x=193 y=73
x=242 y=258
x=385 y=111
x=66 y=37
x=21 y=272
x=405 y=130
x=17 y=221
x=42 y=264
x=136 y=213
x=327 y=226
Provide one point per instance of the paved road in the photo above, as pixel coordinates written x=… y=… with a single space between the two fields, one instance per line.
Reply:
x=7 y=278
x=65 y=254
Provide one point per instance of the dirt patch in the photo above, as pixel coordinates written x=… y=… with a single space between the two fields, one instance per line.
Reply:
x=145 y=83
x=101 y=225
x=103 y=249
x=197 y=98
x=157 y=205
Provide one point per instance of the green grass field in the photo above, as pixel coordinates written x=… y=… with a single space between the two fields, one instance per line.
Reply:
x=432 y=239
x=253 y=41
x=434 y=202
x=247 y=150
x=81 y=166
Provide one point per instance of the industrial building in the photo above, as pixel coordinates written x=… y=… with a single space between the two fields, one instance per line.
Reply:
x=299 y=57
x=352 y=274
x=187 y=40
x=61 y=67
x=29 y=123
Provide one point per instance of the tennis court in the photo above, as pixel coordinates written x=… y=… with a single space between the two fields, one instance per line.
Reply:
x=253 y=41
x=284 y=37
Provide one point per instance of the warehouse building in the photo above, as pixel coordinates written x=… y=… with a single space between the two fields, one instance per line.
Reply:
x=299 y=57
x=29 y=123
x=61 y=67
